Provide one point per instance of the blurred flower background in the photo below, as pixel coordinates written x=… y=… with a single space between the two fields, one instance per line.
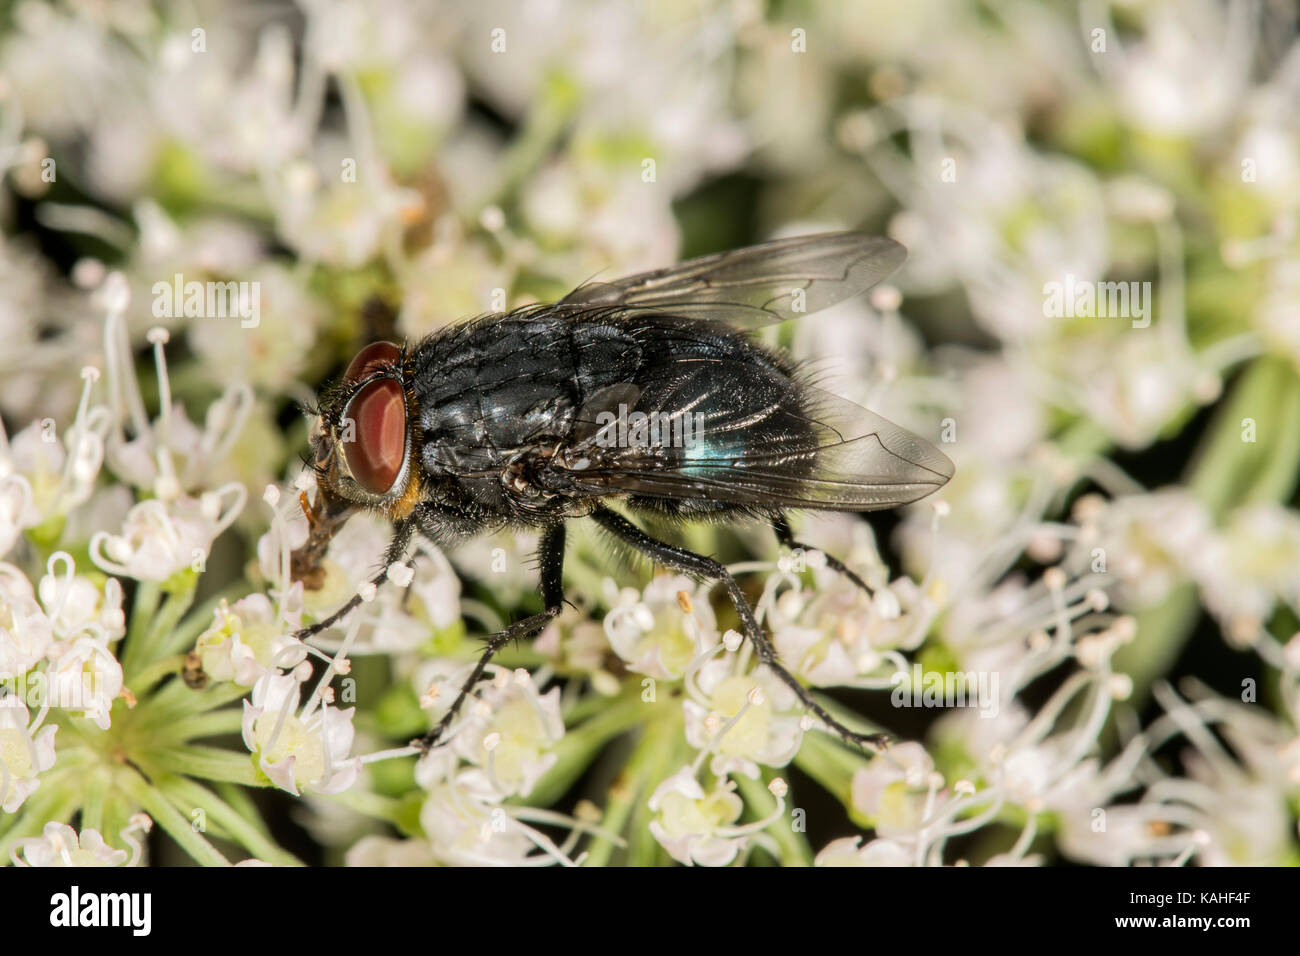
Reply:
x=1099 y=323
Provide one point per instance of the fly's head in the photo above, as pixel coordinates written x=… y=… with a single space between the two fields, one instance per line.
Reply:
x=363 y=447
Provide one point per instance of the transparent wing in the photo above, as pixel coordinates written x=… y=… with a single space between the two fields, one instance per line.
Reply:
x=749 y=437
x=756 y=286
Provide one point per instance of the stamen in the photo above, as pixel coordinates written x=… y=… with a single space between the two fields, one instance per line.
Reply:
x=139 y=823
x=757 y=826
x=334 y=664
x=61 y=594
x=90 y=375
x=166 y=486
x=286 y=708
x=117 y=353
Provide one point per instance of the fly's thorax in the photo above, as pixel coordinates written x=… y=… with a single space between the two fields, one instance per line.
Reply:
x=363 y=444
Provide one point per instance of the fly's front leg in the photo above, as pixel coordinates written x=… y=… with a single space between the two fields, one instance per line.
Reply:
x=688 y=562
x=550 y=555
x=784 y=535
x=403 y=531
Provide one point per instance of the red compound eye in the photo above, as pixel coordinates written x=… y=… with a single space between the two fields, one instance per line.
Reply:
x=372 y=358
x=378 y=415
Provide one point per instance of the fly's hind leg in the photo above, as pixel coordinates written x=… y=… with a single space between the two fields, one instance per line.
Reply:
x=697 y=565
x=551 y=560
x=786 y=537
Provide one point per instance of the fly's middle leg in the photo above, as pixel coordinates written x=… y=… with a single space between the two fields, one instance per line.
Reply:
x=786 y=537
x=551 y=560
x=688 y=562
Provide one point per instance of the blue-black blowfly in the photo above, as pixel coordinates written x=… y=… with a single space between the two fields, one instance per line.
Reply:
x=646 y=392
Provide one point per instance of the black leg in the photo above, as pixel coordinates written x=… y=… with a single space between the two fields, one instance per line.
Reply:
x=786 y=537
x=550 y=554
x=402 y=534
x=688 y=562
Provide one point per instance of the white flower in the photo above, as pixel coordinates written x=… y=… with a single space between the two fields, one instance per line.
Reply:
x=1188 y=72
x=43 y=478
x=71 y=606
x=76 y=605
x=693 y=826
x=654 y=634
x=17 y=511
x=1011 y=859
x=403 y=618
x=160 y=538
x=890 y=790
x=25 y=632
x=266 y=350
x=465 y=830
x=169 y=456
x=1129 y=385
x=307 y=751
x=60 y=845
x=822 y=658
x=1250 y=565
x=388 y=851
x=847 y=851
x=250 y=639
x=1148 y=542
x=1044 y=776
x=679 y=102
x=584 y=204
x=767 y=719
x=1278 y=313
x=197 y=455
x=509 y=734
x=1117 y=835
x=505 y=560
x=578 y=645
x=329 y=220
x=25 y=751
x=398 y=618
x=834 y=635
x=85 y=676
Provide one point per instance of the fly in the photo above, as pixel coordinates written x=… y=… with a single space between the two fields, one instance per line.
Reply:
x=646 y=391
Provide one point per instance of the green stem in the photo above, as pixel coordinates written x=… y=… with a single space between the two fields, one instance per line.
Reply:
x=1229 y=470
x=660 y=744
x=209 y=763
x=145 y=606
x=542 y=128
x=831 y=764
x=668 y=754
x=155 y=803
x=367 y=803
x=186 y=793
x=144 y=681
x=92 y=807
x=212 y=724
x=177 y=701
x=240 y=801
x=579 y=746
x=141 y=653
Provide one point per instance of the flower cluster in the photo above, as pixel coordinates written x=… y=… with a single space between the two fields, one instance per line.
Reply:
x=1087 y=646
